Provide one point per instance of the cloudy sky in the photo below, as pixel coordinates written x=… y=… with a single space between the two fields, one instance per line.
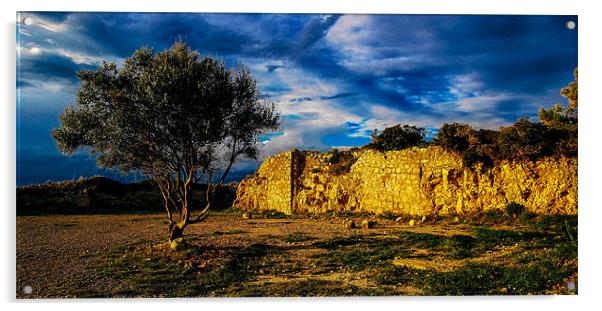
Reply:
x=334 y=78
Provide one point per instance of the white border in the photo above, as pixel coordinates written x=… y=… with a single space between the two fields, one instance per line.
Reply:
x=589 y=172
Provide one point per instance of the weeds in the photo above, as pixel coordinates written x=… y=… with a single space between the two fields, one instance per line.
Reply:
x=541 y=256
x=296 y=237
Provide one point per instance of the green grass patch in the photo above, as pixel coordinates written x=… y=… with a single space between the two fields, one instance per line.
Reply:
x=270 y=215
x=296 y=237
x=153 y=273
x=530 y=259
x=531 y=275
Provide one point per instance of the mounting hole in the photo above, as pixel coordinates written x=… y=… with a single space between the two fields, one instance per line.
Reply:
x=27 y=21
x=27 y=290
x=571 y=286
x=571 y=25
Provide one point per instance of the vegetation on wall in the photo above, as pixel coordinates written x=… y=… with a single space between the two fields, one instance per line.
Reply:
x=397 y=137
x=555 y=134
x=342 y=161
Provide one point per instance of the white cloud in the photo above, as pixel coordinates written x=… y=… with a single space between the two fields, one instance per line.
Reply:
x=466 y=85
x=37 y=21
x=76 y=57
x=29 y=49
x=52 y=87
x=24 y=32
x=349 y=33
x=317 y=117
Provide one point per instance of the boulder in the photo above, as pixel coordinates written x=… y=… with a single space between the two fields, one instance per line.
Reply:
x=247 y=216
x=368 y=224
x=349 y=224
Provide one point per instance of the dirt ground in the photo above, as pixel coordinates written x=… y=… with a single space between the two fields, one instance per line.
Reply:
x=61 y=256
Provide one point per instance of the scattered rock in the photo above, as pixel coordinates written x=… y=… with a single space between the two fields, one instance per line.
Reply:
x=247 y=216
x=423 y=218
x=368 y=224
x=398 y=219
x=411 y=222
x=456 y=219
x=177 y=244
x=350 y=224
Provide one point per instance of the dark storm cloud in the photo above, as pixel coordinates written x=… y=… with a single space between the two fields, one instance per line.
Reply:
x=331 y=97
x=505 y=53
x=313 y=32
x=50 y=67
x=56 y=17
x=23 y=84
x=326 y=73
x=271 y=68
x=339 y=95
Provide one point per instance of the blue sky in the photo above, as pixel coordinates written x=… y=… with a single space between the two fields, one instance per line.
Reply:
x=334 y=78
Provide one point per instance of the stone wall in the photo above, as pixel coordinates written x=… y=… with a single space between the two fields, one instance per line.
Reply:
x=416 y=181
x=270 y=187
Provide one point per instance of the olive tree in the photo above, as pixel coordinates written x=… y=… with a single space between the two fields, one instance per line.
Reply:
x=173 y=116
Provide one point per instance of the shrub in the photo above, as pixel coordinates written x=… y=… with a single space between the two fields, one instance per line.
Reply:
x=454 y=137
x=525 y=140
x=515 y=208
x=563 y=142
x=474 y=146
x=397 y=137
x=341 y=161
x=487 y=137
x=478 y=154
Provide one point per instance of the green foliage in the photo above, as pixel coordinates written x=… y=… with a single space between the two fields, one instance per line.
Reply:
x=388 y=215
x=559 y=117
x=455 y=137
x=269 y=214
x=173 y=116
x=460 y=246
x=488 y=279
x=162 y=111
x=563 y=121
x=153 y=274
x=474 y=146
x=555 y=135
x=525 y=140
x=397 y=137
x=514 y=208
x=478 y=154
x=341 y=161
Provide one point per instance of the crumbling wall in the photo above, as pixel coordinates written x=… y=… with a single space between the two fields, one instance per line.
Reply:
x=270 y=187
x=416 y=181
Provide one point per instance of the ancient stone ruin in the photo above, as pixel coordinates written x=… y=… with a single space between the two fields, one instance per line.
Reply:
x=415 y=181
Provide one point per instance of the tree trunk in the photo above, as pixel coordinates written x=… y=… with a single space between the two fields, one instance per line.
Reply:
x=176 y=230
x=180 y=201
